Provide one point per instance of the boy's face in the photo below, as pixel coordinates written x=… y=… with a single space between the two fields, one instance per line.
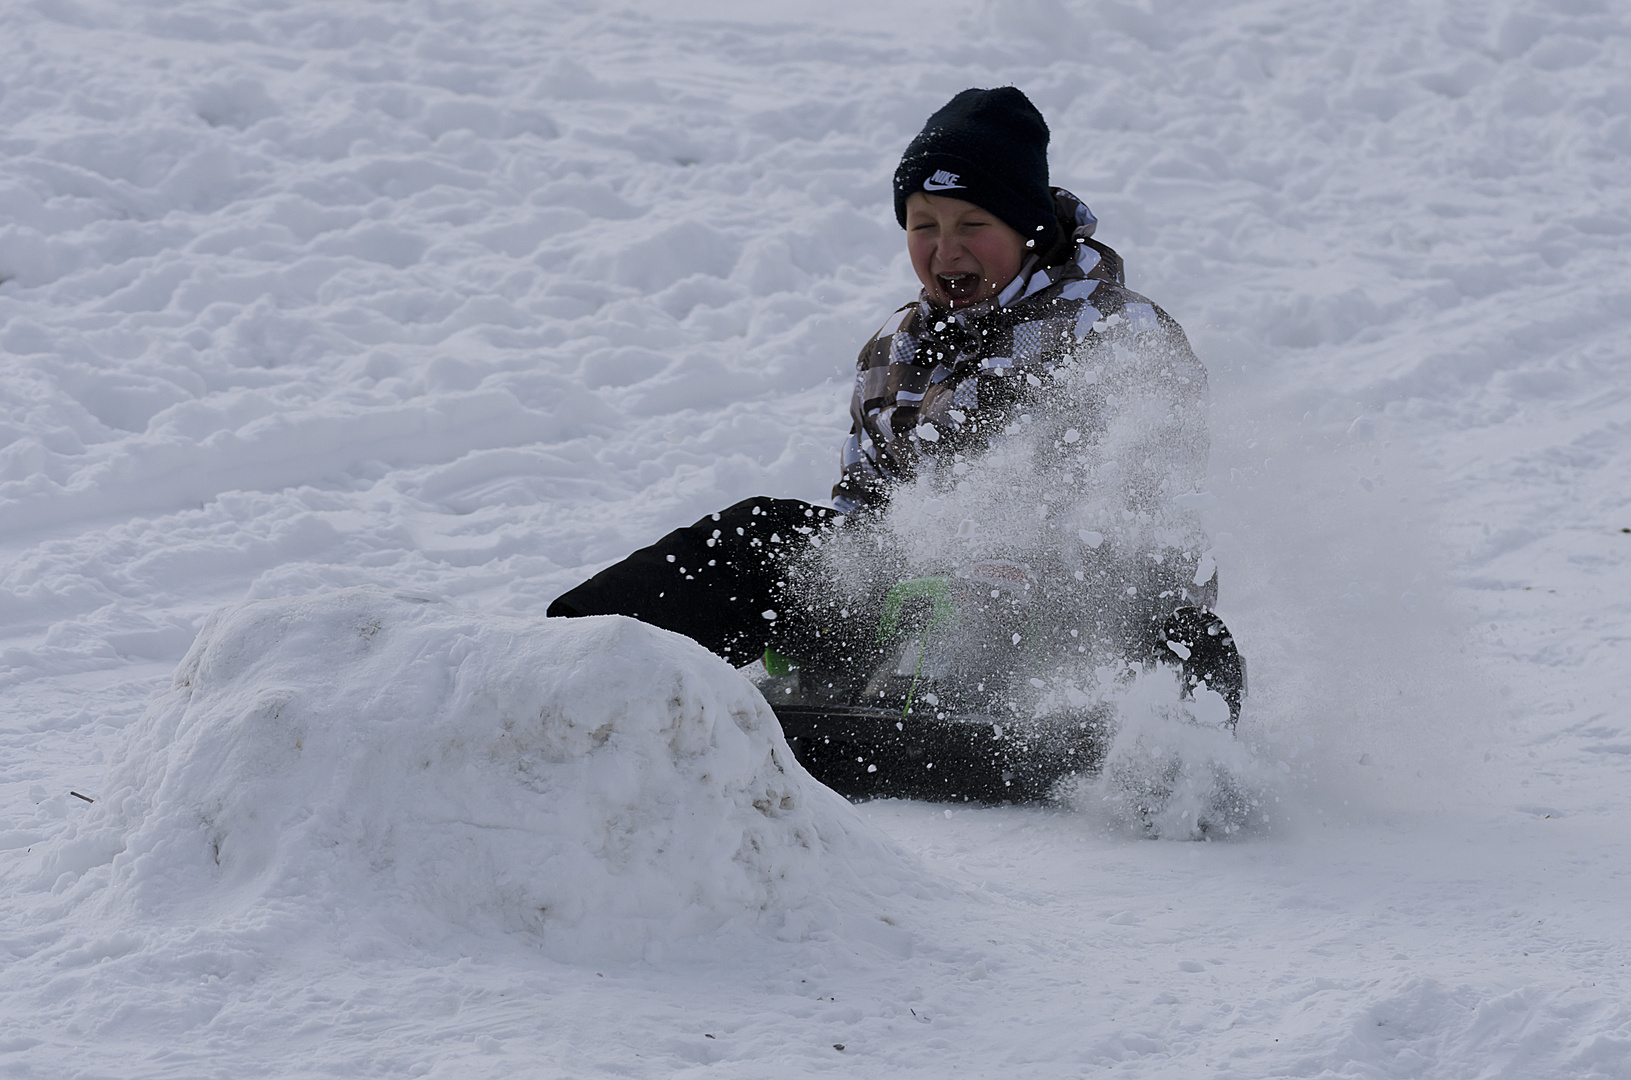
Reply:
x=961 y=253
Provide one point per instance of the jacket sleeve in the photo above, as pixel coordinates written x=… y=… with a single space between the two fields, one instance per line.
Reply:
x=860 y=486
x=865 y=469
x=1149 y=395
x=1136 y=396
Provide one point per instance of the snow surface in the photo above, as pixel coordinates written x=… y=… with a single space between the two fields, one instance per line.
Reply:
x=464 y=300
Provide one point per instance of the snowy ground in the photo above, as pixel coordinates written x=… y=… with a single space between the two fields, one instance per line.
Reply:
x=469 y=298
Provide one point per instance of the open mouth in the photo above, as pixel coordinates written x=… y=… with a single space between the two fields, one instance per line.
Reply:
x=959 y=288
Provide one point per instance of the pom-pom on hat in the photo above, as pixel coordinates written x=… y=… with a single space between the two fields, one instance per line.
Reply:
x=990 y=148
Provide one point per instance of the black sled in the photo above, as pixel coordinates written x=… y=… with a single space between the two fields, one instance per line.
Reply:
x=938 y=716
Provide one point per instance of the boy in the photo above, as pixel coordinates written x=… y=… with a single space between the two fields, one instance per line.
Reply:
x=1014 y=285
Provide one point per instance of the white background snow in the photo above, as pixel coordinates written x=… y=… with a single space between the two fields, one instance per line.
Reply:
x=465 y=300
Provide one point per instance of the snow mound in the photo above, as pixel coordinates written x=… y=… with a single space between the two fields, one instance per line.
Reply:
x=598 y=784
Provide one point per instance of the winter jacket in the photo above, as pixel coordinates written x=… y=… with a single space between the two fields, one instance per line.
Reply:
x=930 y=383
x=1102 y=388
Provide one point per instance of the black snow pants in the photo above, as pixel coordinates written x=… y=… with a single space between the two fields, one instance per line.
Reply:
x=723 y=582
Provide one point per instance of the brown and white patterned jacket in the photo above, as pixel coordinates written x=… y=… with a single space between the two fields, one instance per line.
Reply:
x=931 y=383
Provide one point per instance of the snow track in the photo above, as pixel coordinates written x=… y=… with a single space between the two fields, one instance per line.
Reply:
x=468 y=299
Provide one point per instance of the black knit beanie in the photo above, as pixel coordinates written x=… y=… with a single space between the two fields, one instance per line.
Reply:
x=990 y=148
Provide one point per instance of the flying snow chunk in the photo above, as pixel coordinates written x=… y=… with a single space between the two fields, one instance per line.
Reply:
x=1142 y=318
x=359 y=759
